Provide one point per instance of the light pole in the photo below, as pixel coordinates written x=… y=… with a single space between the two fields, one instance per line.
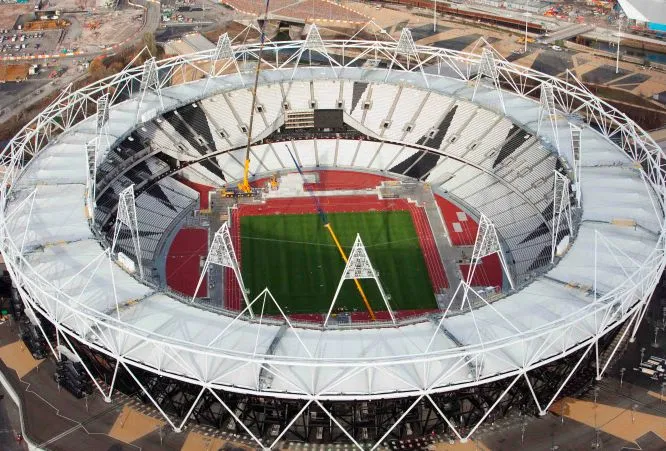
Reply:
x=617 y=58
x=642 y=354
x=622 y=375
x=434 y=16
x=633 y=412
x=656 y=331
x=526 y=16
x=597 y=443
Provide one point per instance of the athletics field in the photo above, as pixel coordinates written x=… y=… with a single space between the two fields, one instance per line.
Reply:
x=294 y=256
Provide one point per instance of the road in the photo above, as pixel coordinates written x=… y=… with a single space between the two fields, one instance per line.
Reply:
x=9 y=426
x=22 y=101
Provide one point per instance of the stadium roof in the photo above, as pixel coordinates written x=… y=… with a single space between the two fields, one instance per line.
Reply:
x=604 y=282
x=61 y=251
x=645 y=10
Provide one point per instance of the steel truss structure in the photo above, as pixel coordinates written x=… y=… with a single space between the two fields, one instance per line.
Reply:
x=454 y=414
x=222 y=253
x=359 y=267
x=185 y=380
x=562 y=221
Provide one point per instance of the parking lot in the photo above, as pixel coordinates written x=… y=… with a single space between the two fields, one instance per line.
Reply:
x=18 y=43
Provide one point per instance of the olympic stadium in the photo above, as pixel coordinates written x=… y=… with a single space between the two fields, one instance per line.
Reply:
x=523 y=214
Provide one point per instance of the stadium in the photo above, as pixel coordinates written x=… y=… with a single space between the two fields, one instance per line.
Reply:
x=412 y=241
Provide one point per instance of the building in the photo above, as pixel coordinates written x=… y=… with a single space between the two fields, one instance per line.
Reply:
x=648 y=13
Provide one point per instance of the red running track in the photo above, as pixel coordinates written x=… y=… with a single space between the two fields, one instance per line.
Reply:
x=188 y=248
x=487 y=274
x=340 y=180
x=203 y=191
x=450 y=213
x=335 y=204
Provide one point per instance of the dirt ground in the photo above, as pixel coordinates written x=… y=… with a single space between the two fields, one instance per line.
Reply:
x=9 y=13
x=72 y=5
x=113 y=28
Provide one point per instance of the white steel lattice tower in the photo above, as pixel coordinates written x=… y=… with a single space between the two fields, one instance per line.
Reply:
x=93 y=150
x=487 y=243
x=222 y=253
x=405 y=48
x=150 y=82
x=223 y=48
x=126 y=216
x=359 y=267
x=313 y=40
x=488 y=69
x=92 y=153
x=223 y=53
x=547 y=107
x=561 y=210
x=102 y=114
x=576 y=151
x=312 y=43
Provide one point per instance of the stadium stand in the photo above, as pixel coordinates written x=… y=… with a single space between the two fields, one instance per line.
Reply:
x=490 y=165
x=157 y=208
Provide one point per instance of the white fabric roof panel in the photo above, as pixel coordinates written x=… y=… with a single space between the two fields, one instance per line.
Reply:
x=60 y=163
x=53 y=214
x=619 y=251
x=645 y=10
x=617 y=193
x=81 y=269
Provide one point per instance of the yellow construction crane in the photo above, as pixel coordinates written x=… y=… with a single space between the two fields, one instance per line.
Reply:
x=244 y=186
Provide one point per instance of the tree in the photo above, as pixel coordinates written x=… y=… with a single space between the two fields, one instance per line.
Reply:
x=149 y=42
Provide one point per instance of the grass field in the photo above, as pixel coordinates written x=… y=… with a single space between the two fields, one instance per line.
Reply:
x=295 y=257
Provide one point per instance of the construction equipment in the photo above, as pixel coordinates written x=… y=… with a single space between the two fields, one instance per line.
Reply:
x=46 y=24
x=275 y=184
x=327 y=226
x=245 y=184
x=237 y=192
x=92 y=25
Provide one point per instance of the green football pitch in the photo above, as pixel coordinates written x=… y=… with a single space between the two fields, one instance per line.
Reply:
x=295 y=257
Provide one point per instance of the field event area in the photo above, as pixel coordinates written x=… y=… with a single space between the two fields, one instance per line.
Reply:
x=295 y=256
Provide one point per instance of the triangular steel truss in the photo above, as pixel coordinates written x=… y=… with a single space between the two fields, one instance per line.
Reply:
x=224 y=52
x=405 y=45
x=359 y=267
x=576 y=159
x=223 y=48
x=150 y=82
x=222 y=253
x=312 y=43
x=547 y=107
x=313 y=40
x=92 y=158
x=487 y=243
x=126 y=216
x=405 y=48
x=93 y=150
x=561 y=210
x=488 y=69
x=102 y=114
